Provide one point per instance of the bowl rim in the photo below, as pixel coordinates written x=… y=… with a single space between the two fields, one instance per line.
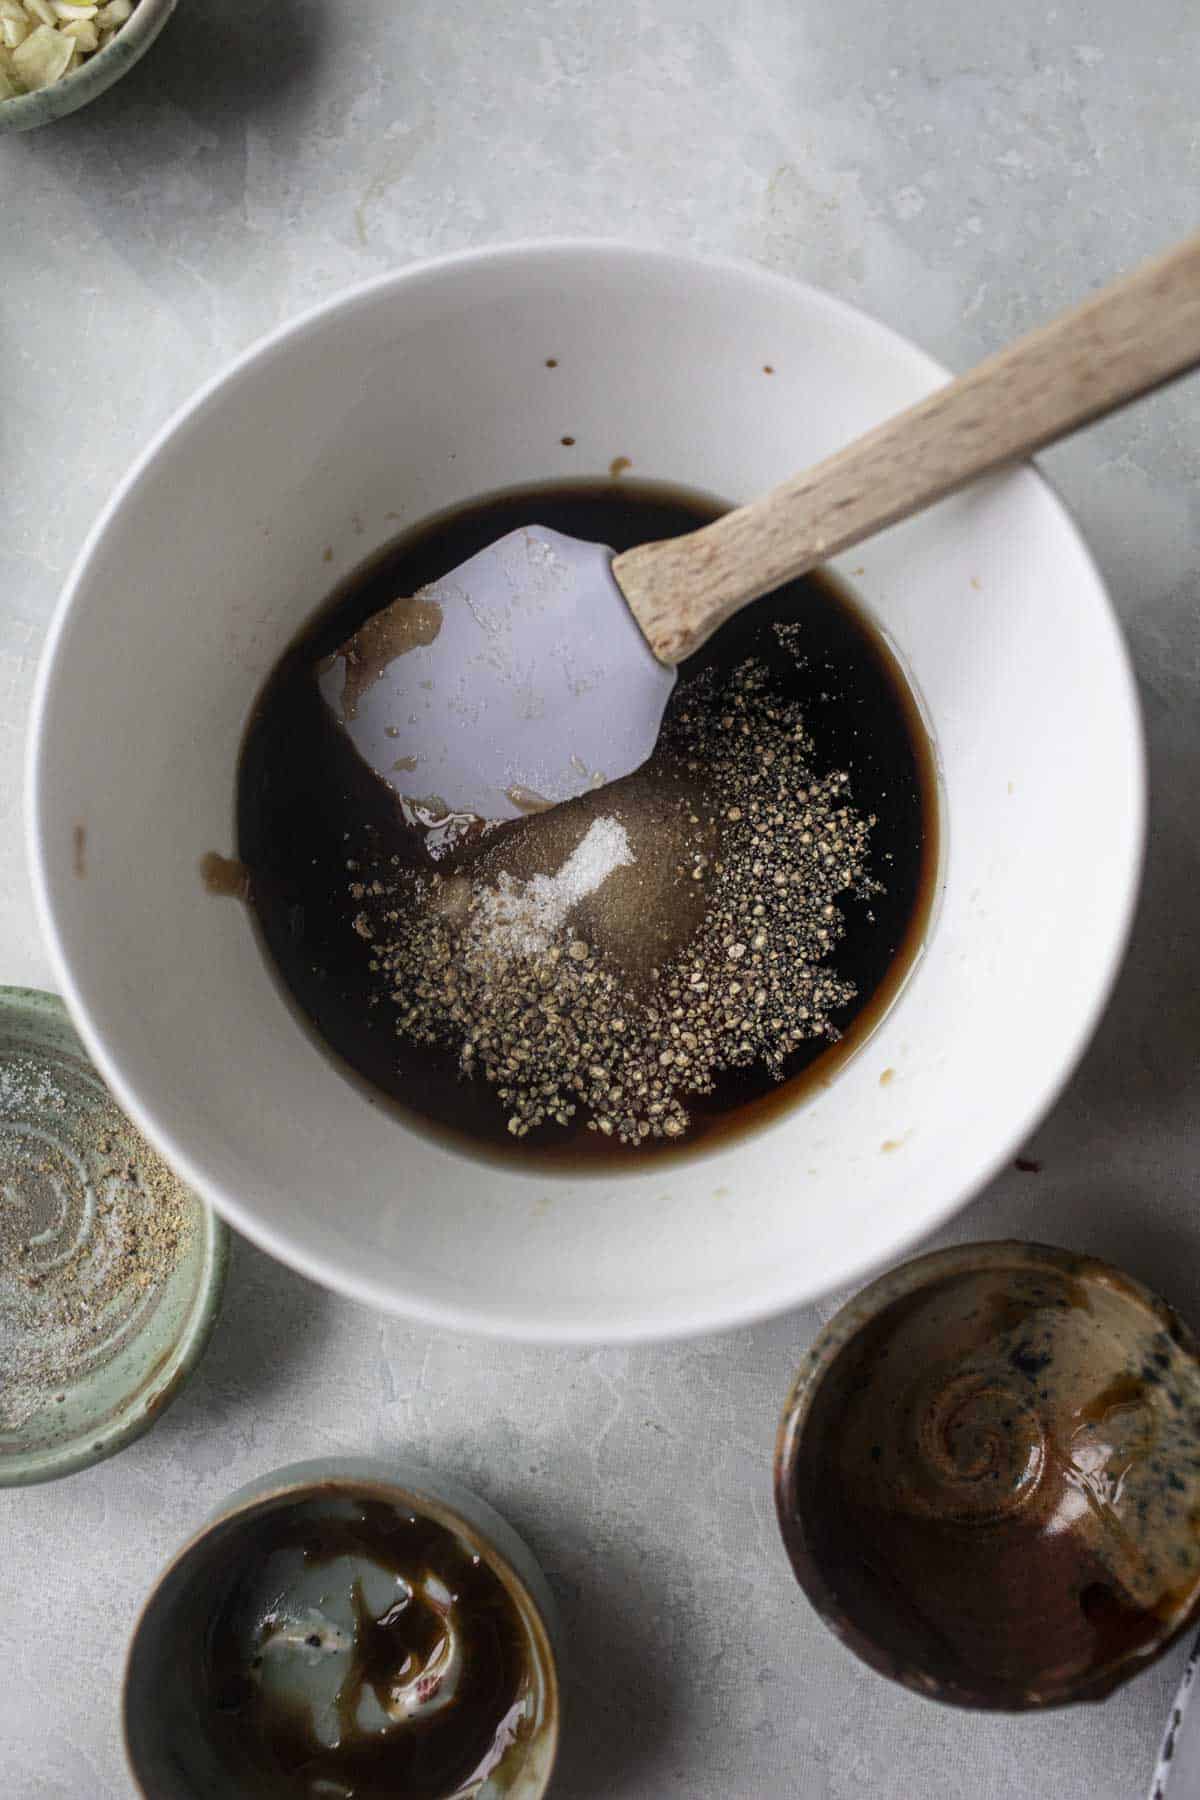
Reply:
x=24 y=112
x=140 y=1409
x=444 y=1501
x=719 y=1313
x=836 y=1336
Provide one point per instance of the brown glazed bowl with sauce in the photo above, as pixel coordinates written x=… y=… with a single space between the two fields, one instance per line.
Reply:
x=987 y=1476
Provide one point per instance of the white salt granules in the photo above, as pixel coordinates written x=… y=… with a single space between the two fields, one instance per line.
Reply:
x=520 y=918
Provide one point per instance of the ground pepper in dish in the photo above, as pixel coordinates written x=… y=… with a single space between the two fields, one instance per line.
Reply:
x=555 y=1022
x=92 y=1225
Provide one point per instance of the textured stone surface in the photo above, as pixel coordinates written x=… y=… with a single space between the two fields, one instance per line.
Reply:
x=959 y=170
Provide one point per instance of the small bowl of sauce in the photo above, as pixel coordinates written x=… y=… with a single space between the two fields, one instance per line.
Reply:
x=346 y=1631
x=987 y=1476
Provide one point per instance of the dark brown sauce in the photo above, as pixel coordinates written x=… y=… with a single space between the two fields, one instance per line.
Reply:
x=300 y=786
x=225 y=875
x=269 y=1740
x=969 y=1515
x=1122 y=1392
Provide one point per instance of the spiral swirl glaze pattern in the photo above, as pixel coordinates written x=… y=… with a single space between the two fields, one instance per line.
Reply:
x=980 y=1447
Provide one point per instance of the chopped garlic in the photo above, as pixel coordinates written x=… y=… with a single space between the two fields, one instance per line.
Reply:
x=43 y=58
x=83 y=34
x=43 y=40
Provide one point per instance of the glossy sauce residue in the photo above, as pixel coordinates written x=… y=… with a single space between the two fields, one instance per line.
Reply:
x=306 y=804
x=362 y=1651
x=986 y=1505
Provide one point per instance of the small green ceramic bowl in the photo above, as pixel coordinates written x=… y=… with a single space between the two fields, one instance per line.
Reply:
x=110 y=1270
x=92 y=77
x=265 y=1640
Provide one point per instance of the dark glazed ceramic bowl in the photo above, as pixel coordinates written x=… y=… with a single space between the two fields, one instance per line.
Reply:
x=988 y=1476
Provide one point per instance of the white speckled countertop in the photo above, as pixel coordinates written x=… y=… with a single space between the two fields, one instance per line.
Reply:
x=958 y=169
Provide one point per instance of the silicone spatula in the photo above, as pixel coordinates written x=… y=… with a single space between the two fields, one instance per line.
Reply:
x=542 y=666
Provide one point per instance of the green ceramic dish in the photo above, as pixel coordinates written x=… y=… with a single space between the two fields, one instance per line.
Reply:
x=93 y=76
x=102 y=1316
x=265 y=1564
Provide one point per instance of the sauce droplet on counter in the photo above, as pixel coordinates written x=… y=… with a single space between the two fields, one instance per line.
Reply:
x=225 y=875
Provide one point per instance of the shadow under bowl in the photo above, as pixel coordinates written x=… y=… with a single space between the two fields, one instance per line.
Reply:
x=987 y=1476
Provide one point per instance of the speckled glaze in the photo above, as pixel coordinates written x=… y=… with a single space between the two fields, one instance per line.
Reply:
x=168 y=1753
x=126 y=1382
x=988 y=1476
x=92 y=77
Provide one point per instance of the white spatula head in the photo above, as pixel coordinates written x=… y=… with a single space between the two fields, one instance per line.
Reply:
x=519 y=680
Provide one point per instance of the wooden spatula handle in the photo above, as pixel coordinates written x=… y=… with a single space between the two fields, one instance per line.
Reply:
x=1128 y=339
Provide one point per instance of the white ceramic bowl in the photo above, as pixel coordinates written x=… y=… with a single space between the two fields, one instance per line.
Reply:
x=429 y=387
